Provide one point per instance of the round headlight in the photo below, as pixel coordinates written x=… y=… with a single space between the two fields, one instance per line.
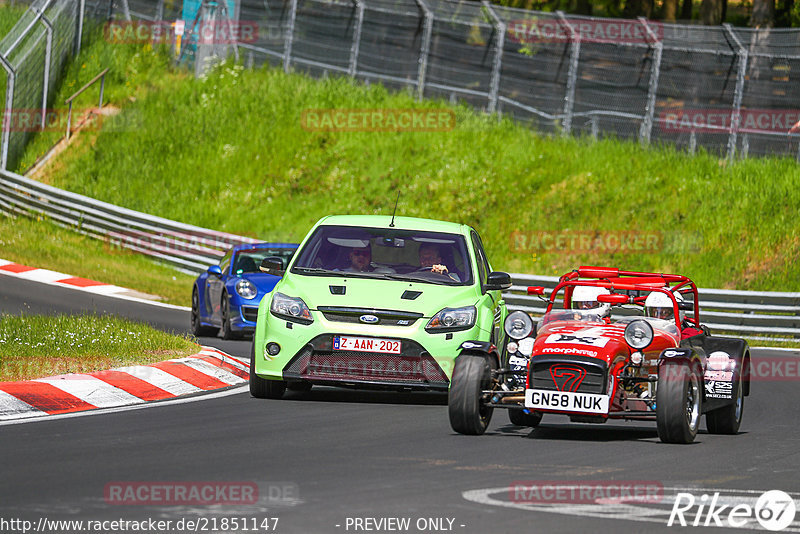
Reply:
x=638 y=334
x=246 y=289
x=518 y=325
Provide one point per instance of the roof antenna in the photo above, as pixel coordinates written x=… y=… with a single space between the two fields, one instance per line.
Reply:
x=391 y=224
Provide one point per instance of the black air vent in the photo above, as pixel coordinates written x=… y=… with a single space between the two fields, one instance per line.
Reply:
x=338 y=290
x=410 y=295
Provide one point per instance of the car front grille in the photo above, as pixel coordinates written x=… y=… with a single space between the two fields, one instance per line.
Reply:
x=250 y=313
x=568 y=373
x=317 y=361
x=384 y=317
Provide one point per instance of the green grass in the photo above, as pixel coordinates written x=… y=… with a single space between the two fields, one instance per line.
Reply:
x=45 y=245
x=229 y=152
x=43 y=345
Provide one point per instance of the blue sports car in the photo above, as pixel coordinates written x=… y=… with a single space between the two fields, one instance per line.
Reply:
x=225 y=298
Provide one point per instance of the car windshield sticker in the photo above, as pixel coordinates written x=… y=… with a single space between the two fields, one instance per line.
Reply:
x=577 y=339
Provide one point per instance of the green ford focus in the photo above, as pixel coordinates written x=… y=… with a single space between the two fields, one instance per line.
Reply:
x=373 y=301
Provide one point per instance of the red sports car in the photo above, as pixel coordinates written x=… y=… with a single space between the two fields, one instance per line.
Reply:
x=653 y=360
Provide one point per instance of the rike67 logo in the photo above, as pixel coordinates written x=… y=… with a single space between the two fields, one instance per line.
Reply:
x=774 y=510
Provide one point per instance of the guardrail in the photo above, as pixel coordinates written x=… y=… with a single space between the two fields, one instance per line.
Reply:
x=192 y=249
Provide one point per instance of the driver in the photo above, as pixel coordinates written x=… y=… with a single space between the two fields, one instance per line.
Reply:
x=360 y=259
x=430 y=258
x=659 y=306
x=585 y=298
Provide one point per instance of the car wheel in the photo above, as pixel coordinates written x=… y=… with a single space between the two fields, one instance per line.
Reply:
x=520 y=418
x=198 y=329
x=468 y=411
x=227 y=331
x=261 y=388
x=678 y=401
x=726 y=420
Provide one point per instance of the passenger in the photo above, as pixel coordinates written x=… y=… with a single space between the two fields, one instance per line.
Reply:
x=659 y=306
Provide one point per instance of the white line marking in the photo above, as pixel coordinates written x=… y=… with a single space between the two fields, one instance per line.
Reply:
x=213 y=371
x=198 y=398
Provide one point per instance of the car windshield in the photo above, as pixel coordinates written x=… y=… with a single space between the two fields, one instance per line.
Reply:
x=413 y=255
x=248 y=261
x=587 y=316
x=663 y=325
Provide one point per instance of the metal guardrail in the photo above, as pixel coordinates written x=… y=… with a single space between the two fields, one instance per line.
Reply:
x=192 y=249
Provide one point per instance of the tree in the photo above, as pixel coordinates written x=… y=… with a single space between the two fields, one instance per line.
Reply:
x=712 y=12
x=763 y=15
x=669 y=10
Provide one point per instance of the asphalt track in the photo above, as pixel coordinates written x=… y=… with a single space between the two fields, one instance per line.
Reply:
x=324 y=458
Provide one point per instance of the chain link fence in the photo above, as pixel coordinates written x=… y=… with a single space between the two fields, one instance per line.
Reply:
x=732 y=91
x=33 y=55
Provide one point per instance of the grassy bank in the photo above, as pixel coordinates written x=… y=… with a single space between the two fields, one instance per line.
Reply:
x=45 y=245
x=35 y=346
x=229 y=152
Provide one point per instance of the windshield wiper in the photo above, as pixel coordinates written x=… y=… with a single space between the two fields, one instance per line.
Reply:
x=317 y=270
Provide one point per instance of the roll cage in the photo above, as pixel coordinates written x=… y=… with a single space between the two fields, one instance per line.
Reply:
x=637 y=286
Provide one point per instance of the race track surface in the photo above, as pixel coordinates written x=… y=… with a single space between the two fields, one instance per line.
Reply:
x=323 y=460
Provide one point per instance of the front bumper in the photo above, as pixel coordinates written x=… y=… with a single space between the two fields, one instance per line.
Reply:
x=306 y=353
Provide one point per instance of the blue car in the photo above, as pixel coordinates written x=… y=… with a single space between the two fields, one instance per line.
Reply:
x=225 y=298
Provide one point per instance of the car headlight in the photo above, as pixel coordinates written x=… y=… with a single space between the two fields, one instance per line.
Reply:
x=638 y=334
x=291 y=308
x=451 y=319
x=518 y=325
x=246 y=289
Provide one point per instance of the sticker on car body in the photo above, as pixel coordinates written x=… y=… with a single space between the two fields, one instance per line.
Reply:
x=578 y=339
x=716 y=389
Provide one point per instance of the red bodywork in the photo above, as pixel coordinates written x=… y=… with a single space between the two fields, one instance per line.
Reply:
x=560 y=334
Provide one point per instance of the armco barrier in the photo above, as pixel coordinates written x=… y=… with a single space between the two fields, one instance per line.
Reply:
x=192 y=249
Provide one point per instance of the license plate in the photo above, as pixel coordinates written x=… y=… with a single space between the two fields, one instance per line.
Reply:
x=366 y=344
x=566 y=401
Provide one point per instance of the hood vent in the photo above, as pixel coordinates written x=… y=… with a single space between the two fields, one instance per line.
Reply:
x=338 y=290
x=410 y=295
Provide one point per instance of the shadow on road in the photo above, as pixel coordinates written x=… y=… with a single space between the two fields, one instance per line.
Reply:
x=321 y=394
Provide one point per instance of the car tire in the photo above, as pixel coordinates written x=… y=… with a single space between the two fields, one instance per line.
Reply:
x=227 y=330
x=198 y=330
x=261 y=388
x=468 y=412
x=520 y=418
x=726 y=420
x=679 y=399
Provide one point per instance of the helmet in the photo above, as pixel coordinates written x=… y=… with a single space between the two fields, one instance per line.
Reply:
x=659 y=306
x=585 y=298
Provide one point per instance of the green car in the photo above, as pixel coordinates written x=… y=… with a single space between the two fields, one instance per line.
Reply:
x=372 y=301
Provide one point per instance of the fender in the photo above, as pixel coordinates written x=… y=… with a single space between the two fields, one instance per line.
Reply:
x=739 y=350
x=487 y=347
x=680 y=354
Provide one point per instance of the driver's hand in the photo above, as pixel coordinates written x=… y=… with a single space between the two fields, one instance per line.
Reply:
x=439 y=268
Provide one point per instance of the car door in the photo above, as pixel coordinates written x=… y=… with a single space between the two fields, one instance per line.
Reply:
x=216 y=285
x=492 y=301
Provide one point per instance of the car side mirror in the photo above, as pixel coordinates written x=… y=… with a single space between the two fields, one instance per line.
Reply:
x=613 y=298
x=215 y=270
x=535 y=290
x=272 y=265
x=497 y=280
x=686 y=306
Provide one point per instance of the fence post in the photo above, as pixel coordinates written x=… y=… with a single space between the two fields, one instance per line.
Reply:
x=736 y=110
x=424 y=48
x=160 y=11
x=126 y=10
x=500 y=30
x=657 y=46
x=79 y=36
x=572 y=76
x=287 y=46
x=48 y=54
x=353 y=66
x=8 y=111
